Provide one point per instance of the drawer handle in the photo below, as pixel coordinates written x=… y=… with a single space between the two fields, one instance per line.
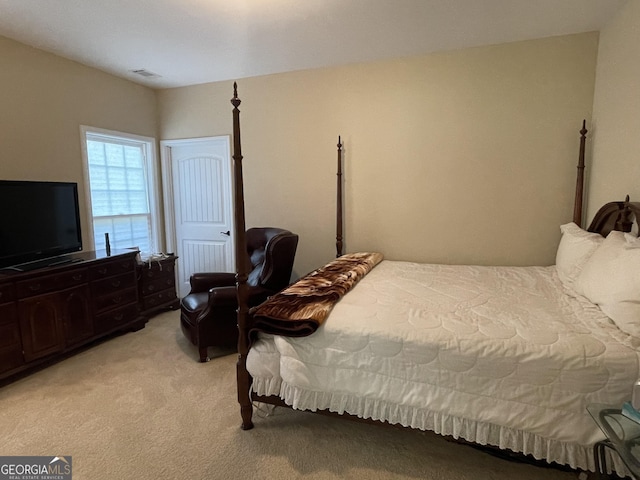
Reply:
x=77 y=277
x=35 y=287
x=102 y=271
x=116 y=283
x=151 y=288
x=116 y=300
x=118 y=317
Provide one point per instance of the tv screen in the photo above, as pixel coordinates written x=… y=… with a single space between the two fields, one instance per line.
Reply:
x=38 y=220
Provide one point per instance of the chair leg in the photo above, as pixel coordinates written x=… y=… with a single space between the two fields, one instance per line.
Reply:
x=203 y=354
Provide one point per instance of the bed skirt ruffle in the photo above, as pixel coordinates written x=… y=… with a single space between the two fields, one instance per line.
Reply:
x=576 y=456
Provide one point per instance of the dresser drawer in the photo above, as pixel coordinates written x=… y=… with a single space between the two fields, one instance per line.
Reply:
x=50 y=283
x=115 y=318
x=158 y=284
x=153 y=270
x=159 y=298
x=113 y=284
x=116 y=300
x=111 y=268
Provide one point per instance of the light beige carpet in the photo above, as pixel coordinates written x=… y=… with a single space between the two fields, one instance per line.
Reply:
x=140 y=406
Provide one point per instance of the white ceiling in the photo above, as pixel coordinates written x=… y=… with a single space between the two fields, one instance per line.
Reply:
x=188 y=42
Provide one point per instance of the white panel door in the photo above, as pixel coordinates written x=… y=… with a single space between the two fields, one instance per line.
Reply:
x=198 y=206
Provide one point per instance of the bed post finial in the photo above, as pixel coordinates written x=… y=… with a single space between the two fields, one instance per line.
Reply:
x=577 y=203
x=242 y=272
x=235 y=101
x=339 y=202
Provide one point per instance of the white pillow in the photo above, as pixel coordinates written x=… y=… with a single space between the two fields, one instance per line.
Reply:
x=575 y=248
x=611 y=279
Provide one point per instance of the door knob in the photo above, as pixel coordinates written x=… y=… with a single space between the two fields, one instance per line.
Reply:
x=227 y=233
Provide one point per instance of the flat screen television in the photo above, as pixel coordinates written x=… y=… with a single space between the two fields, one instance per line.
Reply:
x=38 y=221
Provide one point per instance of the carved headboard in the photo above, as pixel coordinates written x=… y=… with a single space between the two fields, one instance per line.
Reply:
x=615 y=216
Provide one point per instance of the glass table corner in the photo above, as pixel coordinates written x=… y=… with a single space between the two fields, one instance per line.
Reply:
x=622 y=436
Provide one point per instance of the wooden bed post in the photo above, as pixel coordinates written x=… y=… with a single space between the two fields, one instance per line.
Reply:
x=577 y=204
x=242 y=272
x=339 y=203
x=624 y=222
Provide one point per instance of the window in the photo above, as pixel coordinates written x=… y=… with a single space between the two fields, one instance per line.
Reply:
x=120 y=177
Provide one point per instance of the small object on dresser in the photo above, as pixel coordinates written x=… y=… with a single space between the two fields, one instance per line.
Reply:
x=630 y=412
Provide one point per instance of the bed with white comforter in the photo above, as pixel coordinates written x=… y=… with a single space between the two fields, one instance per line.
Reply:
x=506 y=356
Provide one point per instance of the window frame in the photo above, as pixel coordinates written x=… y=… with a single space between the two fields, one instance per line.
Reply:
x=152 y=175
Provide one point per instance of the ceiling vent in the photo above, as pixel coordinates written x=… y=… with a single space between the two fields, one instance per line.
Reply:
x=145 y=73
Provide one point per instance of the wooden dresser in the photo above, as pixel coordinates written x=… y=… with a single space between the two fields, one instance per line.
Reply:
x=49 y=312
x=10 y=344
x=157 y=285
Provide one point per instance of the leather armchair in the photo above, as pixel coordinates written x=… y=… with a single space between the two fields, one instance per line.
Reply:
x=208 y=314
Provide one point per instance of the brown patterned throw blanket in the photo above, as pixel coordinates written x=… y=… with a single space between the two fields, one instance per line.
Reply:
x=301 y=308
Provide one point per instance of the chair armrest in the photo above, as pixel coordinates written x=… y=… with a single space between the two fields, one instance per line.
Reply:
x=223 y=296
x=228 y=296
x=203 y=282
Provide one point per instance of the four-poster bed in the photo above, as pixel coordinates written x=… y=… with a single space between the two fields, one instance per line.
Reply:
x=505 y=356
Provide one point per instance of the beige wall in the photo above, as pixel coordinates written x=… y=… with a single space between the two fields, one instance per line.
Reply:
x=460 y=157
x=432 y=143
x=43 y=100
x=615 y=166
